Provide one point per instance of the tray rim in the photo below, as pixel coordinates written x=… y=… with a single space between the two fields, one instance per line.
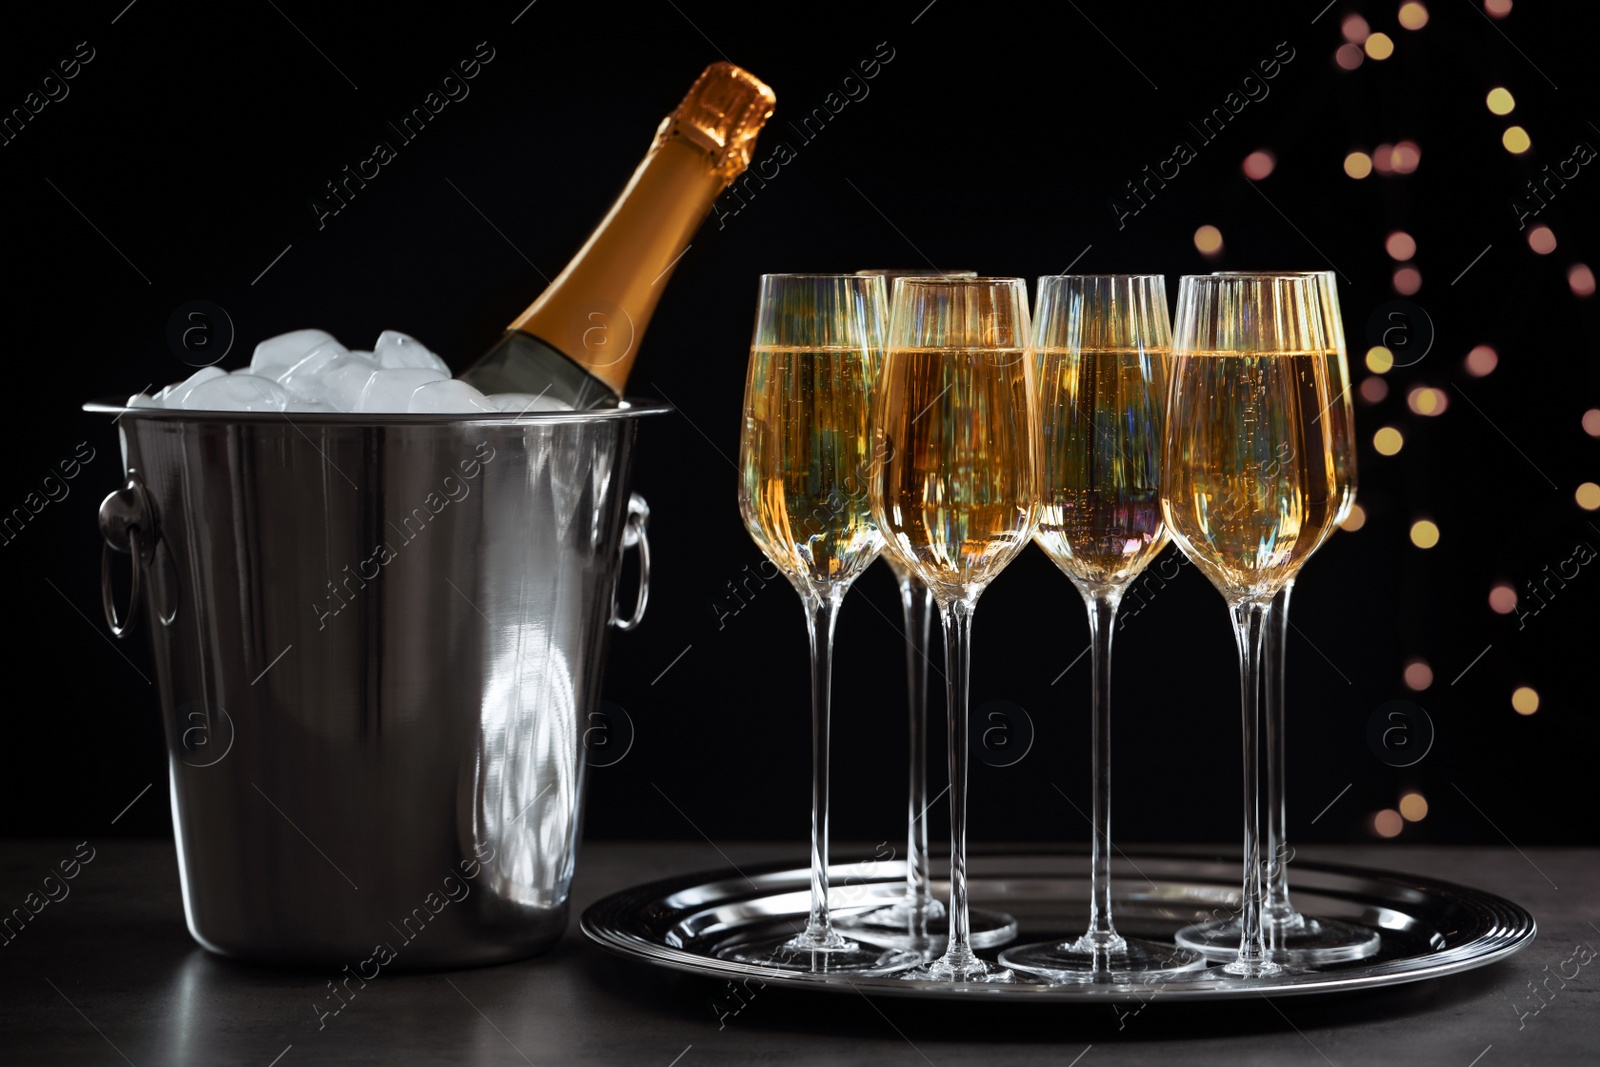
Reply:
x=598 y=929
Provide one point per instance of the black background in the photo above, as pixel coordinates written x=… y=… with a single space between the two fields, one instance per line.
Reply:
x=189 y=149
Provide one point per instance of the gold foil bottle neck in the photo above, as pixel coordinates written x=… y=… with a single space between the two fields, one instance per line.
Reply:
x=722 y=112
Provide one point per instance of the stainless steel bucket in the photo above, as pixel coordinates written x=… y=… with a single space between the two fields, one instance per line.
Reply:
x=378 y=646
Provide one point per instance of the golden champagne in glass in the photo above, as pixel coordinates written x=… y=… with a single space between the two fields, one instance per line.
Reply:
x=1104 y=344
x=1249 y=488
x=917 y=920
x=806 y=457
x=1291 y=936
x=956 y=494
x=803 y=470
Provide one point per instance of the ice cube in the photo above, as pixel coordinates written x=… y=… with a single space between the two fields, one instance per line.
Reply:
x=345 y=379
x=173 y=395
x=237 y=392
x=396 y=351
x=303 y=379
x=143 y=400
x=304 y=405
x=277 y=354
x=390 y=390
x=525 y=403
x=449 y=395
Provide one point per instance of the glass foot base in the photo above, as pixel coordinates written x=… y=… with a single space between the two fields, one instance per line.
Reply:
x=967 y=968
x=1255 y=968
x=1122 y=959
x=899 y=913
x=837 y=955
x=1299 y=940
x=898 y=926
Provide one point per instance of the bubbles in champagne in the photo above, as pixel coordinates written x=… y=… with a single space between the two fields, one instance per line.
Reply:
x=805 y=460
x=1100 y=500
x=957 y=487
x=1250 y=483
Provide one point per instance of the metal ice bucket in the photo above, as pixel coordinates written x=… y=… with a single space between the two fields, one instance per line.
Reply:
x=378 y=643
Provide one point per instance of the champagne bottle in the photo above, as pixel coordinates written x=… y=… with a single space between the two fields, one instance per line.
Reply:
x=574 y=345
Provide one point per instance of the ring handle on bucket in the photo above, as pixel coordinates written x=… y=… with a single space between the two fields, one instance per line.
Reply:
x=634 y=534
x=123 y=514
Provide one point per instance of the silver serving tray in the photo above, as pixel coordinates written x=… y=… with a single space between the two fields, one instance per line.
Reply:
x=1428 y=928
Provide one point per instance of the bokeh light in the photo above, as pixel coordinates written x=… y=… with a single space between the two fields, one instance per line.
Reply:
x=1413 y=16
x=1516 y=140
x=1379 y=359
x=1355 y=29
x=1355 y=520
x=1481 y=360
x=1383 y=159
x=1581 y=280
x=1405 y=157
x=1387 y=823
x=1373 y=390
x=1542 y=240
x=1414 y=807
x=1525 y=700
x=1501 y=102
x=1591 y=422
x=1259 y=164
x=1379 y=46
x=1424 y=533
x=1348 y=56
x=1407 y=280
x=1502 y=599
x=1418 y=675
x=1498 y=9
x=1358 y=165
x=1426 y=400
x=1208 y=239
x=1388 y=441
x=1400 y=245
x=1588 y=496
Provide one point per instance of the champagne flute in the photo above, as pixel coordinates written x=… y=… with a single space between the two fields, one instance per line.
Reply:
x=804 y=454
x=918 y=920
x=1293 y=937
x=1104 y=346
x=955 y=490
x=1248 y=484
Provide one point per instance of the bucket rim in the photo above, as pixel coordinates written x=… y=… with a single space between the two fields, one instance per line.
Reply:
x=627 y=408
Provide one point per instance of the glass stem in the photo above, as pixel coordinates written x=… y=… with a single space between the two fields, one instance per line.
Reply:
x=1250 y=621
x=957 y=619
x=1279 y=912
x=1102 y=616
x=916 y=603
x=821 y=614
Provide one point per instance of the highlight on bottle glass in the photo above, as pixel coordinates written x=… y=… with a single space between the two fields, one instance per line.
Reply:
x=804 y=459
x=1103 y=345
x=1248 y=484
x=956 y=492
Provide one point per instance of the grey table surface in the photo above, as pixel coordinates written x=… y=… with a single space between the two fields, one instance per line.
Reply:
x=109 y=975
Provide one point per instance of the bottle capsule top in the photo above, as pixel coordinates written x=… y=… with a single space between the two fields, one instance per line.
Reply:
x=722 y=112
